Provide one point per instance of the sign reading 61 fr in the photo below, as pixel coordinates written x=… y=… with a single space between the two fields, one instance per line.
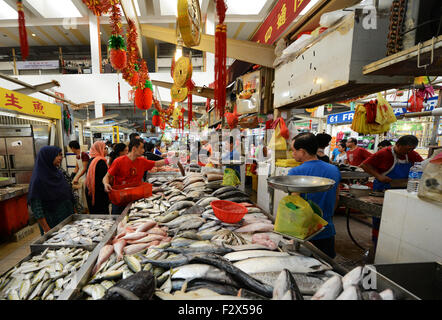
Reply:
x=22 y=103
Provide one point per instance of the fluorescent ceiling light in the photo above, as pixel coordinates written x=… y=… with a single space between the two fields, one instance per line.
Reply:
x=169 y=7
x=245 y=7
x=7 y=12
x=55 y=9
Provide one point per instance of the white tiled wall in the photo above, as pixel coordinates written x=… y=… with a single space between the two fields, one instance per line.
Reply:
x=411 y=229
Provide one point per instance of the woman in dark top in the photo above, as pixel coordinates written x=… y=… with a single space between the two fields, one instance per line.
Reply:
x=323 y=142
x=97 y=198
x=50 y=195
x=120 y=149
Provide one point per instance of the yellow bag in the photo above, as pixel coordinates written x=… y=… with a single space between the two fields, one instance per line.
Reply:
x=277 y=141
x=384 y=112
x=296 y=217
x=230 y=178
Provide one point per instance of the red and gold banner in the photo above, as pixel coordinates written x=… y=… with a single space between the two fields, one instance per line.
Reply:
x=282 y=15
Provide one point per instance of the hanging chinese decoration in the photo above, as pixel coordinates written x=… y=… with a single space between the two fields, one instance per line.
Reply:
x=98 y=7
x=130 y=73
x=156 y=120
x=220 y=58
x=232 y=118
x=189 y=21
x=144 y=96
x=24 y=47
x=117 y=46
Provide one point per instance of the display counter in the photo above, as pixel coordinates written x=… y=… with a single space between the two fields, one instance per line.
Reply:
x=14 y=213
x=410 y=231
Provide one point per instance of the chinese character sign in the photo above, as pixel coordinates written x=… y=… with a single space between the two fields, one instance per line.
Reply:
x=22 y=103
x=284 y=12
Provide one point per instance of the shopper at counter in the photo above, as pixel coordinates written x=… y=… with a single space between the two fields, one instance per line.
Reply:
x=97 y=198
x=149 y=152
x=356 y=155
x=341 y=158
x=388 y=164
x=78 y=181
x=129 y=169
x=50 y=196
x=120 y=149
x=304 y=148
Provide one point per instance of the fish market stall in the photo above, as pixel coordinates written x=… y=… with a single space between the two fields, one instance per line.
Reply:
x=173 y=245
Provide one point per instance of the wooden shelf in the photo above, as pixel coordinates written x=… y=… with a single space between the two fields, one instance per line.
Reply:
x=405 y=62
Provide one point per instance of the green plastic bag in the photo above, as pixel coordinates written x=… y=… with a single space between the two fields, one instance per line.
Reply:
x=296 y=217
x=230 y=178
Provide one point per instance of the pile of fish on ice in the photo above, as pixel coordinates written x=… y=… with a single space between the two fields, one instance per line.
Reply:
x=172 y=246
x=81 y=232
x=44 y=276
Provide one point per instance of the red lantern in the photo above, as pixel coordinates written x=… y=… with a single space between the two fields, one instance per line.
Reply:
x=139 y=98
x=156 y=120
x=118 y=58
x=148 y=95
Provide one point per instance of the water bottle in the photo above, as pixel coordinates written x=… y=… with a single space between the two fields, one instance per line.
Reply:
x=414 y=177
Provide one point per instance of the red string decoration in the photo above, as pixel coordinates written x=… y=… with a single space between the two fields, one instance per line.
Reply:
x=24 y=47
x=220 y=58
x=190 y=86
x=98 y=7
x=119 y=95
x=129 y=73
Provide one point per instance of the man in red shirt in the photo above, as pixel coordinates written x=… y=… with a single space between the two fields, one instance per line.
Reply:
x=388 y=164
x=129 y=169
x=356 y=155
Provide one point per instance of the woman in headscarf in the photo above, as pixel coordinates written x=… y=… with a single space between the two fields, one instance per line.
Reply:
x=50 y=196
x=120 y=149
x=97 y=198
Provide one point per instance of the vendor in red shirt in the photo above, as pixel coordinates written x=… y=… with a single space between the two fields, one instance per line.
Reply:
x=129 y=169
x=389 y=164
x=356 y=155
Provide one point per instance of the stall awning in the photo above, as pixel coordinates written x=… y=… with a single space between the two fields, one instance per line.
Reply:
x=22 y=103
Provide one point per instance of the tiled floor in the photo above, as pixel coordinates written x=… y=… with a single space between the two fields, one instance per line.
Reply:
x=13 y=252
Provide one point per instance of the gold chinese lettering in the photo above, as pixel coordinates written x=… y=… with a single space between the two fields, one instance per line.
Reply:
x=268 y=34
x=297 y=5
x=282 y=16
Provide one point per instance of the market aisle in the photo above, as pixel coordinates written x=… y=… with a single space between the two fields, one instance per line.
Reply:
x=12 y=252
x=348 y=254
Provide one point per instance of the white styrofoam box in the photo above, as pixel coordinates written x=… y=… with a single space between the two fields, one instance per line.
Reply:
x=408 y=253
x=423 y=225
x=387 y=249
x=393 y=214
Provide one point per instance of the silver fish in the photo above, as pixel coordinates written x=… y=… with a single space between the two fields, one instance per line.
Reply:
x=285 y=287
x=329 y=290
x=350 y=293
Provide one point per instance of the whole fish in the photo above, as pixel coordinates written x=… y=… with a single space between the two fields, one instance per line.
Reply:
x=134 y=236
x=189 y=235
x=174 y=262
x=103 y=255
x=180 y=220
x=387 y=294
x=194 y=185
x=168 y=217
x=176 y=198
x=118 y=248
x=206 y=201
x=350 y=293
x=371 y=295
x=146 y=226
x=352 y=278
x=200 y=246
x=299 y=264
x=232 y=194
x=253 y=210
x=181 y=242
x=235 y=273
x=207 y=225
x=133 y=263
x=135 y=248
x=242 y=255
x=285 y=287
x=223 y=190
x=196 y=209
x=193 y=223
x=330 y=289
x=254 y=227
x=180 y=205
x=239 y=199
x=222 y=289
x=156 y=230
x=200 y=271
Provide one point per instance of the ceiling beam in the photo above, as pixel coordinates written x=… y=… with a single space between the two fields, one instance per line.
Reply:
x=198 y=91
x=248 y=51
x=63 y=35
x=38 y=87
x=47 y=35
